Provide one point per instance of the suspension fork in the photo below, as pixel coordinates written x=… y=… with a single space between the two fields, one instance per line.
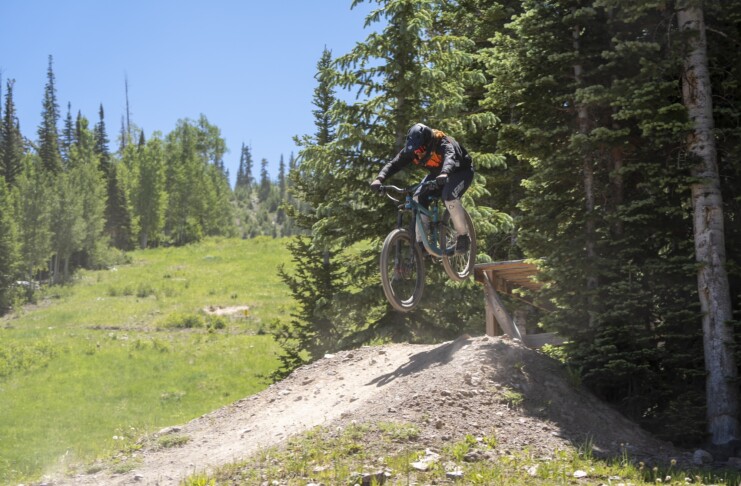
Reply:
x=430 y=233
x=413 y=225
x=400 y=219
x=398 y=260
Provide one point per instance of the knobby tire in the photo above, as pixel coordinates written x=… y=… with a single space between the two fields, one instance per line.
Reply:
x=402 y=271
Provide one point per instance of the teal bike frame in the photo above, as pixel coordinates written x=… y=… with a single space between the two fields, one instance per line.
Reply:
x=431 y=238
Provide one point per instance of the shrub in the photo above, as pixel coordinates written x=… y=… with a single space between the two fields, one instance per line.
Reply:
x=216 y=322
x=22 y=357
x=183 y=321
x=169 y=441
x=144 y=290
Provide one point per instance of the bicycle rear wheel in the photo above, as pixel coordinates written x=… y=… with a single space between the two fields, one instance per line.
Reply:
x=402 y=271
x=459 y=265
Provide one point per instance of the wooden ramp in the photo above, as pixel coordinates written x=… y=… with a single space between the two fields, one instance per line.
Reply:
x=504 y=278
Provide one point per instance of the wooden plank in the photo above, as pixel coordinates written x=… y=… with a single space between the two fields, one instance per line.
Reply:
x=504 y=263
x=499 y=284
x=515 y=272
x=506 y=277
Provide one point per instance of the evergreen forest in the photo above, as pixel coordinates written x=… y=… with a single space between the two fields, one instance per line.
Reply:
x=606 y=137
x=69 y=201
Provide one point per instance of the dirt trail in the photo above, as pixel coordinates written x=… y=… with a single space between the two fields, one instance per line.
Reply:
x=449 y=390
x=314 y=395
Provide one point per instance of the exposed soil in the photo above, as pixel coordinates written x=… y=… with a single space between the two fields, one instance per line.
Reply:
x=466 y=386
x=227 y=311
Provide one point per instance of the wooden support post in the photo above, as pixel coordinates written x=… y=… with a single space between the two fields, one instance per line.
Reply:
x=503 y=277
x=492 y=327
x=494 y=303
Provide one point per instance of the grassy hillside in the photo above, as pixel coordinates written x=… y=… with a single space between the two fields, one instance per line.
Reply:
x=129 y=350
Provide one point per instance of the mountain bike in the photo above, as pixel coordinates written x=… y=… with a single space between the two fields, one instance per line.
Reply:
x=402 y=262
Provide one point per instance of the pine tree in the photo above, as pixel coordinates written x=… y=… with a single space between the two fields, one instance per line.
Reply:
x=311 y=333
x=1 y=106
x=310 y=180
x=49 y=151
x=241 y=171
x=244 y=180
x=265 y=184
x=412 y=72
x=282 y=177
x=292 y=165
x=68 y=134
x=248 y=168
x=590 y=104
x=398 y=76
x=474 y=24
x=119 y=226
x=11 y=140
x=290 y=195
x=403 y=75
x=317 y=279
x=280 y=217
x=101 y=141
x=8 y=249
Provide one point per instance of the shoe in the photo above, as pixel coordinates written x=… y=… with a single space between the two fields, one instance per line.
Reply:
x=462 y=244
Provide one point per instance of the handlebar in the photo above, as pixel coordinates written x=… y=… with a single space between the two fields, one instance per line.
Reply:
x=404 y=191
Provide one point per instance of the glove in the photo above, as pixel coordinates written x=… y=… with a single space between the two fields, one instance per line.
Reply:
x=441 y=180
x=376 y=186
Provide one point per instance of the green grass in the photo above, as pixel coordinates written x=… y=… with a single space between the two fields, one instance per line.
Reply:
x=343 y=457
x=123 y=352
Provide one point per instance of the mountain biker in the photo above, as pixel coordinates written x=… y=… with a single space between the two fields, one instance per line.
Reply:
x=448 y=164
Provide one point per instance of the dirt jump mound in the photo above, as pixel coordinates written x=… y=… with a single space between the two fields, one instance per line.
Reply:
x=475 y=386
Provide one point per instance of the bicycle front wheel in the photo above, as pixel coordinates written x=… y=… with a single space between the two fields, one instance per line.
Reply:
x=402 y=271
x=458 y=264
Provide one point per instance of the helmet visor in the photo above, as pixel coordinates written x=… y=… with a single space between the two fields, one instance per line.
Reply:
x=418 y=137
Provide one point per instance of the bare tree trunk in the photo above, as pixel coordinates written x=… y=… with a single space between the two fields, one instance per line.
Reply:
x=616 y=156
x=710 y=253
x=401 y=130
x=588 y=174
x=55 y=270
x=617 y=159
x=128 y=112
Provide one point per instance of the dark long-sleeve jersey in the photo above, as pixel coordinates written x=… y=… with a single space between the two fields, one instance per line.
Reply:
x=445 y=157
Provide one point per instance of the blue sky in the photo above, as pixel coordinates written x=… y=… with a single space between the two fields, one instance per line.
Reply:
x=247 y=65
